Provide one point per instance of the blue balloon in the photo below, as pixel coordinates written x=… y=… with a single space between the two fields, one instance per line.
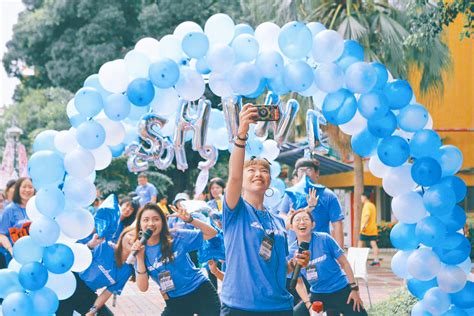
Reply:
x=329 y=77
x=58 y=258
x=398 y=93
x=270 y=64
x=202 y=67
x=457 y=185
x=77 y=120
x=45 y=301
x=450 y=159
x=140 y=92
x=245 y=47
x=361 y=77
x=117 y=150
x=88 y=101
x=195 y=44
x=455 y=311
x=278 y=86
x=464 y=298
x=254 y=147
x=352 y=49
x=373 y=105
x=278 y=183
x=418 y=288
x=339 y=107
x=430 y=231
x=419 y=310
x=164 y=73
x=383 y=127
x=33 y=276
x=425 y=142
x=45 y=141
x=412 y=117
x=382 y=75
x=9 y=282
x=364 y=143
x=27 y=250
x=295 y=40
x=90 y=135
x=403 y=236
x=426 y=171
x=454 y=249
x=454 y=220
x=50 y=201
x=260 y=90
x=17 y=304
x=393 y=151
x=93 y=82
x=298 y=76
x=245 y=78
x=243 y=28
x=45 y=167
x=346 y=62
x=117 y=107
x=45 y=231
x=436 y=300
x=439 y=199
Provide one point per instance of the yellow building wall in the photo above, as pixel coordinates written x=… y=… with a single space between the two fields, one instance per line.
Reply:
x=453 y=110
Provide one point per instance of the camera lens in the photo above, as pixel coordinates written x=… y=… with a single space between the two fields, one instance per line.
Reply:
x=263 y=112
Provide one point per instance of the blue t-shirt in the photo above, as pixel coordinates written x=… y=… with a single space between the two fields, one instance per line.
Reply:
x=14 y=216
x=145 y=193
x=104 y=272
x=324 y=254
x=186 y=277
x=250 y=282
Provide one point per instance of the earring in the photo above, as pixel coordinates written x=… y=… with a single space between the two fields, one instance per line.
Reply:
x=271 y=194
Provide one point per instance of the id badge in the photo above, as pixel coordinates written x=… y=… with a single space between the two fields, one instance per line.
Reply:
x=311 y=273
x=266 y=248
x=166 y=282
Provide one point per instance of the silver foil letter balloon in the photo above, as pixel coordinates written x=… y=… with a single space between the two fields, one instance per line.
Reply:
x=231 y=108
x=287 y=117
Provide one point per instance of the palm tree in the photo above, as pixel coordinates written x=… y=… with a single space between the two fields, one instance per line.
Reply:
x=382 y=30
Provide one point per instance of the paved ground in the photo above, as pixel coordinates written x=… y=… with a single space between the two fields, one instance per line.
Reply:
x=382 y=283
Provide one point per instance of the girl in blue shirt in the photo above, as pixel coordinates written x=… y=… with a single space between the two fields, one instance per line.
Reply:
x=165 y=258
x=328 y=271
x=255 y=240
x=128 y=213
x=216 y=188
x=108 y=269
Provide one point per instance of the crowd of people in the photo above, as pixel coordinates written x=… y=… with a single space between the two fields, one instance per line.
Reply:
x=253 y=250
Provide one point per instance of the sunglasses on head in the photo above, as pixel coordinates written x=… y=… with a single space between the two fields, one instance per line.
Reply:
x=254 y=157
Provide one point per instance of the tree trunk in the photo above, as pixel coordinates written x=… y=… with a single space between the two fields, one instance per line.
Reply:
x=358 y=190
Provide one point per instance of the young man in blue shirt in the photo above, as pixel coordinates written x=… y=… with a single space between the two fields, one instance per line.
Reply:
x=145 y=190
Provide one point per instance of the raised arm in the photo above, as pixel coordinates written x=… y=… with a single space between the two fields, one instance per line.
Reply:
x=99 y=302
x=140 y=268
x=236 y=161
x=208 y=231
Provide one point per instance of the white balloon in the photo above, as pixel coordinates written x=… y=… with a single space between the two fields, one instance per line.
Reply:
x=76 y=223
x=169 y=128
x=102 y=156
x=399 y=264
x=14 y=265
x=408 y=208
x=220 y=58
x=113 y=76
x=220 y=85
x=190 y=85
x=79 y=191
x=186 y=27
x=267 y=36
x=218 y=138
x=31 y=210
x=114 y=131
x=63 y=239
x=355 y=125
x=270 y=149
x=376 y=167
x=423 y=264
x=150 y=47
x=398 y=180
x=272 y=201
x=451 y=279
x=63 y=285
x=219 y=28
x=65 y=141
x=137 y=64
x=71 y=109
x=79 y=163
x=82 y=256
x=312 y=90
x=165 y=102
x=171 y=48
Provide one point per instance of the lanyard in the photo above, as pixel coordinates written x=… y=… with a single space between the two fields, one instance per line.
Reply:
x=272 y=226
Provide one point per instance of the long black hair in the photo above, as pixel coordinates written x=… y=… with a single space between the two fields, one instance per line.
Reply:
x=135 y=206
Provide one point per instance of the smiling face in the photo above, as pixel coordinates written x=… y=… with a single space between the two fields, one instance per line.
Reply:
x=151 y=219
x=126 y=209
x=127 y=241
x=26 y=190
x=216 y=191
x=302 y=224
x=256 y=176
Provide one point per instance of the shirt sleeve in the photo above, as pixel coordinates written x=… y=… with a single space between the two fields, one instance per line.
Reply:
x=5 y=222
x=153 y=191
x=335 y=250
x=120 y=284
x=228 y=214
x=335 y=211
x=190 y=239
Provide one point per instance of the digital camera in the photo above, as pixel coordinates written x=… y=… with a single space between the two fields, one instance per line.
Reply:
x=267 y=112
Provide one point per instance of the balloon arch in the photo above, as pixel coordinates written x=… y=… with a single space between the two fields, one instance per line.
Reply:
x=150 y=103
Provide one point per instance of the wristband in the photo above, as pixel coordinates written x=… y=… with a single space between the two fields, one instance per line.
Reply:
x=138 y=272
x=239 y=145
x=93 y=309
x=243 y=139
x=189 y=221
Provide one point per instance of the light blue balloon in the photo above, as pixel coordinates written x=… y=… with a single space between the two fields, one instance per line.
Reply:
x=454 y=250
x=439 y=199
x=383 y=127
x=329 y=77
x=270 y=64
x=243 y=28
x=403 y=236
x=50 y=201
x=393 y=151
x=352 y=49
x=131 y=135
x=58 y=258
x=295 y=40
x=88 y=101
x=382 y=75
x=412 y=117
x=90 y=135
x=117 y=150
x=315 y=28
x=117 y=107
x=454 y=220
x=328 y=46
x=140 y=92
x=279 y=184
x=245 y=78
x=450 y=159
x=373 y=105
x=45 y=301
x=202 y=67
x=361 y=77
x=45 y=141
x=423 y=264
x=254 y=147
x=27 y=250
x=136 y=112
x=45 y=231
x=457 y=185
x=260 y=89
x=339 y=107
x=77 y=120
x=436 y=301
x=45 y=167
x=398 y=93
x=364 y=143
x=277 y=85
x=93 y=82
x=195 y=44
x=275 y=170
x=426 y=171
x=419 y=310
x=164 y=73
x=418 y=288
x=425 y=142
x=455 y=311
x=298 y=76
x=220 y=58
x=216 y=119
x=430 y=231
x=33 y=276
x=399 y=264
x=9 y=282
x=464 y=298
x=245 y=47
x=17 y=304
x=346 y=62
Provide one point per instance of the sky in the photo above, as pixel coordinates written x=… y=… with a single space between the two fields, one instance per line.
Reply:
x=9 y=10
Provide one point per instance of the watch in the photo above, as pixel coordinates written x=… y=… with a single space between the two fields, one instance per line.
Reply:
x=354 y=287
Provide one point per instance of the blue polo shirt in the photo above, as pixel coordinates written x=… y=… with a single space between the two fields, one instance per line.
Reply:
x=14 y=216
x=324 y=254
x=186 y=277
x=104 y=272
x=146 y=192
x=250 y=282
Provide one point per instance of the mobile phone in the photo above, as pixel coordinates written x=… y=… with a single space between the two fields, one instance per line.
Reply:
x=267 y=112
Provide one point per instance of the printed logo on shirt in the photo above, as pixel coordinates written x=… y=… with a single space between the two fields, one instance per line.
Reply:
x=159 y=263
x=267 y=231
x=106 y=273
x=318 y=259
x=256 y=225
